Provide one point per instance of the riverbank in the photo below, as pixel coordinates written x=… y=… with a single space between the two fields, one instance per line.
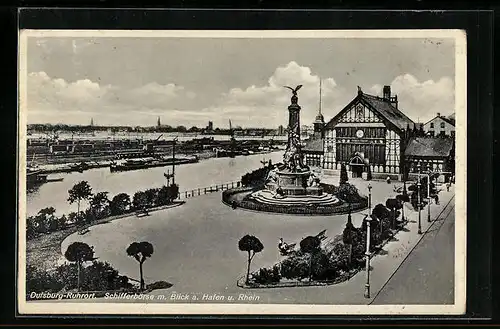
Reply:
x=69 y=164
x=44 y=252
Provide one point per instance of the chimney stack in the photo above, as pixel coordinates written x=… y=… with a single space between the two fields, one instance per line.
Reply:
x=438 y=114
x=387 y=93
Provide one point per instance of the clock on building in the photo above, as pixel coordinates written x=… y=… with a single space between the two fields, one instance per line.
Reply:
x=360 y=133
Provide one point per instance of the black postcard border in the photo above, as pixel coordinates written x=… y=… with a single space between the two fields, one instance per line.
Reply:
x=479 y=28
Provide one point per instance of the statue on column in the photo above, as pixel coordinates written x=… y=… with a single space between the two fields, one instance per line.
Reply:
x=294 y=98
x=293 y=156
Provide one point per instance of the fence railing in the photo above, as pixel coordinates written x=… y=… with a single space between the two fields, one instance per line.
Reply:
x=210 y=189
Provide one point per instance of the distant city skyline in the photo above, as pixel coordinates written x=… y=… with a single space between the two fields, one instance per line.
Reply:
x=190 y=81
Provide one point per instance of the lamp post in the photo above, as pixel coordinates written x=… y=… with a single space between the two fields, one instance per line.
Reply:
x=369 y=198
x=429 y=197
x=418 y=205
x=367 y=256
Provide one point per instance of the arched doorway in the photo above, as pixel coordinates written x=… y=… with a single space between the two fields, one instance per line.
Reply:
x=357 y=165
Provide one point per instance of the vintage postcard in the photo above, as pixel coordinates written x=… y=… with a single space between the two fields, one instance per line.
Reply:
x=242 y=172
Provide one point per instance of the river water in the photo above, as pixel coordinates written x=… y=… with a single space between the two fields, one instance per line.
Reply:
x=188 y=176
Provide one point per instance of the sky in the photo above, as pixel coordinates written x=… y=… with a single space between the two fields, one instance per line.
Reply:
x=189 y=81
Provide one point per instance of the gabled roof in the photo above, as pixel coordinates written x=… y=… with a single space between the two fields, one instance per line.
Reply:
x=429 y=147
x=449 y=119
x=387 y=111
x=314 y=145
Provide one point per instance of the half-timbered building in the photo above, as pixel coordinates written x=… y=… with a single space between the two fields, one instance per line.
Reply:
x=366 y=135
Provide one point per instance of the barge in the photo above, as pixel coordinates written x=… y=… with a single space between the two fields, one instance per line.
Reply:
x=137 y=164
x=35 y=177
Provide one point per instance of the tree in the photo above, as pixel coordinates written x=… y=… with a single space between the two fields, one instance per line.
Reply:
x=380 y=212
x=392 y=204
x=44 y=219
x=369 y=174
x=140 y=251
x=120 y=204
x=251 y=245
x=99 y=204
x=79 y=253
x=181 y=129
x=310 y=245
x=57 y=223
x=31 y=227
x=343 y=174
x=80 y=191
x=347 y=236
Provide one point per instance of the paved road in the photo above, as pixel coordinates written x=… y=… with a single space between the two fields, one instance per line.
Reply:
x=427 y=274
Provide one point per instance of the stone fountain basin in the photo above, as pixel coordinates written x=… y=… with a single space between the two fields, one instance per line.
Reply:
x=270 y=198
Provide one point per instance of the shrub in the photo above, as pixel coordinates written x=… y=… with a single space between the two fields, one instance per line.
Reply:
x=140 y=200
x=295 y=267
x=99 y=276
x=159 y=285
x=339 y=257
x=120 y=204
x=41 y=281
x=322 y=267
x=267 y=275
x=348 y=193
x=256 y=177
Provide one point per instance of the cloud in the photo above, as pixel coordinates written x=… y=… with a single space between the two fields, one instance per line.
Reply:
x=422 y=100
x=267 y=105
x=56 y=100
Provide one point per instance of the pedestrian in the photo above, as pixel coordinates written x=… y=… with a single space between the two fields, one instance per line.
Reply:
x=388 y=180
x=436 y=199
x=448 y=187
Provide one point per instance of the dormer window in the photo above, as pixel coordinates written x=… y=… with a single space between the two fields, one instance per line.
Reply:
x=442 y=124
x=432 y=124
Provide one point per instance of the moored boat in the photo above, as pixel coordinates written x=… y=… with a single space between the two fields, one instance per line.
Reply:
x=137 y=164
x=35 y=177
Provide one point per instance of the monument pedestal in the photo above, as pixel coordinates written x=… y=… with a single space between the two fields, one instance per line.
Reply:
x=294 y=183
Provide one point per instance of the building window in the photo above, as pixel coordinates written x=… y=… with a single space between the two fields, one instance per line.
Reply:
x=442 y=133
x=442 y=124
x=432 y=124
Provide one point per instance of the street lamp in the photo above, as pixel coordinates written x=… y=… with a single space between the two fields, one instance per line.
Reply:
x=367 y=256
x=418 y=205
x=369 y=198
x=429 y=197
